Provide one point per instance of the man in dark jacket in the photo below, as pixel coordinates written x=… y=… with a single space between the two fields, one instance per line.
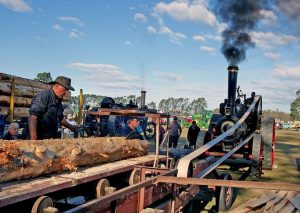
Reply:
x=193 y=134
x=175 y=132
x=46 y=110
x=131 y=126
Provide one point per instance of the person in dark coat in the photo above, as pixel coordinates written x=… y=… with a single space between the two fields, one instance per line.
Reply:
x=193 y=134
x=131 y=126
x=46 y=111
x=175 y=132
x=13 y=132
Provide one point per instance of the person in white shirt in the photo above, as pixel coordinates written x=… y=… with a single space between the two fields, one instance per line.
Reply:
x=67 y=132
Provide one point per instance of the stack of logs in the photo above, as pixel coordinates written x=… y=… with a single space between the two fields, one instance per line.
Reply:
x=23 y=90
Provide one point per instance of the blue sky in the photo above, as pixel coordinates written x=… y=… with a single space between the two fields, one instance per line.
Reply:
x=168 y=48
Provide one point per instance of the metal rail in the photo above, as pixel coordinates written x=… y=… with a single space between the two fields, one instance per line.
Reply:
x=184 y=162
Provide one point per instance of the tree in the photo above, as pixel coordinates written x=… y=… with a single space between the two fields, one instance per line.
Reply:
x=295 y=107
x=151 y=105
x=198 y=106
x=44 y=77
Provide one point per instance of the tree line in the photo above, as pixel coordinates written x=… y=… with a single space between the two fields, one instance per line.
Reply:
x=175 y=106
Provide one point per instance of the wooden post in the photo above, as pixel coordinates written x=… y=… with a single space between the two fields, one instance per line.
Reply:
x=80 y=105
x=157 y=141
x=12 y=102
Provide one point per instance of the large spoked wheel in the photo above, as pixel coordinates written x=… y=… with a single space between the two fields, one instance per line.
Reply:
x=149 y=130
x=268 y=137
x=256 y=169
x=42 y=203
x=224 y=194
x=115 y=124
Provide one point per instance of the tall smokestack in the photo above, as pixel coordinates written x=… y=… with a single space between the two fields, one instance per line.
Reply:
x=232 y=81
x=143 y=99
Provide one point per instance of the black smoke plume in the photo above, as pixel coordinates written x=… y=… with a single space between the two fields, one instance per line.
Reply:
x=241 y=17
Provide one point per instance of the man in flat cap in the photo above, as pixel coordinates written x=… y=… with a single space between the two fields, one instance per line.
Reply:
x=46 y=110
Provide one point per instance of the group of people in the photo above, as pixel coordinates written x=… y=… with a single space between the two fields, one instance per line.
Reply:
x=46 y=113
x=176 y=130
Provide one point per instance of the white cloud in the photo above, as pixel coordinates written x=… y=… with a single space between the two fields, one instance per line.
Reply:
x=269 y=39
x=199 y=38
x=127 y=42
x=151 y=30
x=287 y=73
x=168 y=76
x=268 y=17
x=210 y=50
x=140 y=17
x=104 y=73
x=76 y=34
x=196 y=11
x=16 y=5
x=213 y=37
x=173 y=36
x=73 y=20
x=272 y=55
x=57 y=27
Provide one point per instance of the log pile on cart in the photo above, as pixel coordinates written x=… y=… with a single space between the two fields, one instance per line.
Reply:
x=16 y=94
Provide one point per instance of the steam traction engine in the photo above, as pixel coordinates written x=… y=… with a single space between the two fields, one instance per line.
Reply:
x=248 y=119
x=111 y=125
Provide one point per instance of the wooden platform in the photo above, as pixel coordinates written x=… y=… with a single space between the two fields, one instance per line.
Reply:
x=281 y=201
x=15 y=191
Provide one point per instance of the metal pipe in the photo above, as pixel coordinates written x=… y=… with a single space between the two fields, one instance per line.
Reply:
x=143 y=99
x=232 y=81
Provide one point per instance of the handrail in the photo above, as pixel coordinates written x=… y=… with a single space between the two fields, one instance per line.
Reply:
x=183 y=164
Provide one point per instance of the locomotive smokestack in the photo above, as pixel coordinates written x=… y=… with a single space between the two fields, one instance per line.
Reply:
x=232 y=81
x=143 y=99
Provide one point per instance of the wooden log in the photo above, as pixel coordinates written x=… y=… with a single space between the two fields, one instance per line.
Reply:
x=25 y=91
x=25 y=159
x=19 y=112
x=23 y=81
x=18 y=101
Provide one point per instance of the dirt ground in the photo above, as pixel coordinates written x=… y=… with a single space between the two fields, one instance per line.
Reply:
x=286 y=170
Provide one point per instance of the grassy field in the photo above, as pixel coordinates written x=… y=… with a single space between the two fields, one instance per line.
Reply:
x=285 y=169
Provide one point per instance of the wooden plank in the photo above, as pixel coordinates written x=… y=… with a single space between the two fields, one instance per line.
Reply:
x=270 y=205
x=130 y=112
x=288 y=209
x=243 y=208
x=280 y=205
x=262 y=200
x=294 y=198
